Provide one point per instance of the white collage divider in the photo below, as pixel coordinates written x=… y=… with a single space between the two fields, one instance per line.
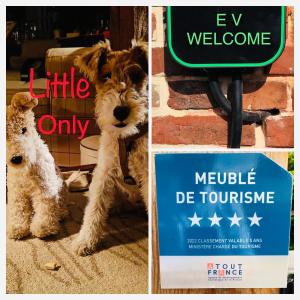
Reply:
x=168 y=279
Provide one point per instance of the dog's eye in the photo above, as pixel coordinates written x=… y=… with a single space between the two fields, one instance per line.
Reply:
x=24 y=129
x=107 y=76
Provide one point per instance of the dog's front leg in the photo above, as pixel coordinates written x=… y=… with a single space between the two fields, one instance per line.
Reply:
x=100 y=198
x=19 y=214
x=46 y=216
x=101 y=195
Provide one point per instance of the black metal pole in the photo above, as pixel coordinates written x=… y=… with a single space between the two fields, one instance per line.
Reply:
x=224 y=104
x=236 y=119
x=234 y=108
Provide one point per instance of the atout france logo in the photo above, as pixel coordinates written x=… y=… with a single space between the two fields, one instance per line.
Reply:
x=224 y=271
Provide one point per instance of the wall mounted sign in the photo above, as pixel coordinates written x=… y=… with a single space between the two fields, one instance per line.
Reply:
x=223 y=220
x=227 y=36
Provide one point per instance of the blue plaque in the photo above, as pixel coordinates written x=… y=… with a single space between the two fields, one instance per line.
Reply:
x=223 y=220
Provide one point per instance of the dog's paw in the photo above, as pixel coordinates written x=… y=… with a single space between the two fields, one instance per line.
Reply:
x=42 y=229
x=18 y=232
x=83 y=247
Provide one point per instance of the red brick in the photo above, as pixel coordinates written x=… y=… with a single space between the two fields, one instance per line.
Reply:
x=258 y=95
x=279 y=131
x=290 y=10
x=285 y=64
x=200 y=130
x=290 y=26
x=158 y=61
x=153 y=24
x=265 y=95
x=188 y=94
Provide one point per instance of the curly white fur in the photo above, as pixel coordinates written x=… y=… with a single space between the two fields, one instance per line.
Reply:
x=34 y=188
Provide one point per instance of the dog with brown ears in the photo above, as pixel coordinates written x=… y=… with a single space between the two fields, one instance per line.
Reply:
x=120 y=78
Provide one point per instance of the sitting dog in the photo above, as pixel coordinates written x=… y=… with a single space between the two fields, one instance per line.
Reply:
x=34 y=189
x=121 y=111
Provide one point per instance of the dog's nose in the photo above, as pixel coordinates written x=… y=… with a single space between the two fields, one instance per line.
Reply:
x=121 y=112
x=16 y=160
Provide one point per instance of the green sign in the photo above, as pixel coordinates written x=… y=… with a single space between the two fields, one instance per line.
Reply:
x=243 y=36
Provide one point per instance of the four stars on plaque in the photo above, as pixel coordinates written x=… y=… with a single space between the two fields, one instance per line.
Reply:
x=235 y=220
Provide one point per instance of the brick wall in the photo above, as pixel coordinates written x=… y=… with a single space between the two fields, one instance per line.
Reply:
x=183 y=114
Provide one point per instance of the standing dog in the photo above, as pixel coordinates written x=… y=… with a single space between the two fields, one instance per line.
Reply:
x=120 y=78
x=34 y=188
